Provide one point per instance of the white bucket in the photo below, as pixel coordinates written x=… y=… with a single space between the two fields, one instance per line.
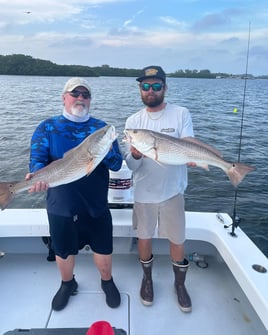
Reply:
x=120 y=185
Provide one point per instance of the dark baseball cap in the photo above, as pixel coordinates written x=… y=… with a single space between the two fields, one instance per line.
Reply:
x=152 y=71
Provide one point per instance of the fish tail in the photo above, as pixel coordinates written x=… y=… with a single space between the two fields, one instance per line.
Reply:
x=238 y=171
x=6 y=194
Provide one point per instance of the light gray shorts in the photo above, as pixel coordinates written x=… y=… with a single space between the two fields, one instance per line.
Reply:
x=168 y=216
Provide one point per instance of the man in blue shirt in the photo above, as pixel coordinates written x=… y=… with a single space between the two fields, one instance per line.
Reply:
x=78 y=212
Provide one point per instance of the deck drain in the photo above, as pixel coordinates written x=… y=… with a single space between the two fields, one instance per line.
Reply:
x=259 y=268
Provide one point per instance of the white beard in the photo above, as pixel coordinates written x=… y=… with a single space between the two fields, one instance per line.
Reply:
x=81 y=116
x=79 y=111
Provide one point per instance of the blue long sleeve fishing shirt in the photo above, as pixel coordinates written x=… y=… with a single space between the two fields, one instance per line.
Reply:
x=51 y=139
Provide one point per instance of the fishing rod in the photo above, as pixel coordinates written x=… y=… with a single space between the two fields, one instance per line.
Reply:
x=235 y=217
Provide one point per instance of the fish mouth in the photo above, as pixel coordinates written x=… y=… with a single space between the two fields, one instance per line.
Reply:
x=127 y=137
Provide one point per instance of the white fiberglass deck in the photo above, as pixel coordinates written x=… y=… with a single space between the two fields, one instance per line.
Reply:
x=229 y=297
x=28 y=283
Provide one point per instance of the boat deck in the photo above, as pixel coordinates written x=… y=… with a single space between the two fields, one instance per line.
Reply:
x=28 y=283
x=225 y=295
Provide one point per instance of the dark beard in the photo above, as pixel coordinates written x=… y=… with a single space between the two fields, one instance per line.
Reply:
x=158 y=99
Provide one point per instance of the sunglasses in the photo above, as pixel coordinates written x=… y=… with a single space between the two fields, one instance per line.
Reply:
x=156 y=87
x=76 y=93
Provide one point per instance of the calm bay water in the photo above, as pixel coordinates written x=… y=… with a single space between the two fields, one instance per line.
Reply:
x=25 y=101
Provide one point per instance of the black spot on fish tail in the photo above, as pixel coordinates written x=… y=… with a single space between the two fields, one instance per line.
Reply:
x=6 y=194
x=238 y=171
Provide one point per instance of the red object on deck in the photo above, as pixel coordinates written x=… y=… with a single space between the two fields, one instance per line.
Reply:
x=100 y=328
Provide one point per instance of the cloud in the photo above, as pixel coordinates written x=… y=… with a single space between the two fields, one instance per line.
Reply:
x=209 y=21
x=132 y=19
x=217 y=19
x=74 y=42
x=230 y=40
x=39 y=11
x=171 y=21
x=121 y=33
x=259 y=51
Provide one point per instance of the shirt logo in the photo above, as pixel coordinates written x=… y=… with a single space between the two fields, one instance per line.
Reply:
x=167 y=130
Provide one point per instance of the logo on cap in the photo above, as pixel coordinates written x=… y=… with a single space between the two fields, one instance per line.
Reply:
x=151 y=72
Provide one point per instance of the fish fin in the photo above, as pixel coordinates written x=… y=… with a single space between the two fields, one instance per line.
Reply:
x=203 y=166
x=238 y=171
x=6 y=194
x=90 y=167
x=69 y=152
x=155 y=160
x=159 y=163
x=154 y=157
x=202 y=144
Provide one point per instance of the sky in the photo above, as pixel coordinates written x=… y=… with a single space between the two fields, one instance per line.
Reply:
x=175 y=34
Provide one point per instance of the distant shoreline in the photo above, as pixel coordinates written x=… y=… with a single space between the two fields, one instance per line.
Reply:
x=19 y=64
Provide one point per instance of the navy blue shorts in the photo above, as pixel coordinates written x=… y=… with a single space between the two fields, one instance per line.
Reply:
x=70 y=234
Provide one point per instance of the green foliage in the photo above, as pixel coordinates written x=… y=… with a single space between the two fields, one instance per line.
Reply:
x=26 y=65
x=193 y=74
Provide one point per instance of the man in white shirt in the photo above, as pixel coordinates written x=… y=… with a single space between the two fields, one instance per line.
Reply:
x=159 y=189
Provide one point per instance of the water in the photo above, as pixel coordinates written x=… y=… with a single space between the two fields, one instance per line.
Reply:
x=25 y=101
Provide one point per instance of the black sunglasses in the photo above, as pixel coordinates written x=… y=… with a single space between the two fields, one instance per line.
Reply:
x=156 y=87
x=76 y=93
